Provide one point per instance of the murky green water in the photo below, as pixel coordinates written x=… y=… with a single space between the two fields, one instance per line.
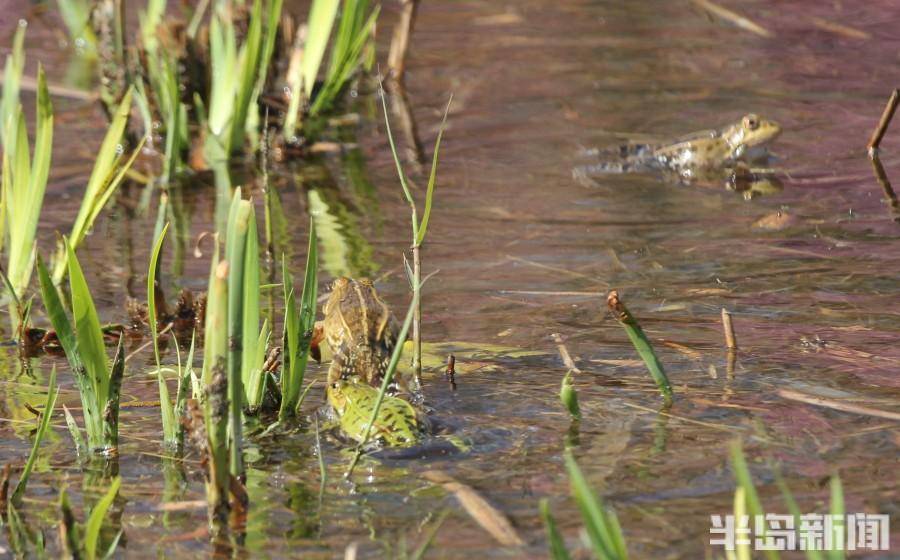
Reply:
x=525 y=251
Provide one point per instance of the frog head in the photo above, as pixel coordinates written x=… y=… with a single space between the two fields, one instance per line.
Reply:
x=752 y=131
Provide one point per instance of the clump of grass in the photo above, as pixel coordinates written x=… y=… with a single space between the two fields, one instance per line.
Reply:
x=173 y=431
x=171 y=64
x=600 y=523
x=641 y=344
x=298 y=329
x=24 y=184
x=98 y=382
x=419 y=228
x=106 y=176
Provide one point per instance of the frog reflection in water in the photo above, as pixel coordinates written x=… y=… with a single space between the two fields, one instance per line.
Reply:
x=362 y=335
x=703 y=157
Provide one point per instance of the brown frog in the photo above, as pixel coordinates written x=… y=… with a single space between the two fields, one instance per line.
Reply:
x=360 y=330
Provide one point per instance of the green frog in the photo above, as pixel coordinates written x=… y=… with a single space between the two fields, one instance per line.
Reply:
x=702 y=156
x=398 y=423
x=360 y=330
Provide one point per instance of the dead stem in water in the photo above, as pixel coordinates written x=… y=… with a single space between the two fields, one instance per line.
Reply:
x=564 y=353
x=734 y=18
x=482 y=512
x=837 y=405
x=883 y=123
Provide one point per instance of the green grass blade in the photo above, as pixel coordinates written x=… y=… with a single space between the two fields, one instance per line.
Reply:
x=432 y=179
x=167 y=410
x=95 y=521
x=74 y=432
x=67 y=339
x=400 y=174
x=298 y=327
x=76 y=15
x=88 y=335
x=745 y=480
x=250 y=334
x=322 y=14
x=641 y=343
x=249 y=72
x=837 y=511
x=102 y=183
x=12 y=81
x=558 y=549
x=26 y=196
x=602 y=529
x=52 y=393
x=569 y=397
x=742 y=550
x=235 y=247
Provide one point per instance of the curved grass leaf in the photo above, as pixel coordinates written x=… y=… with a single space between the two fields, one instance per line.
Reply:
x=169 y=421
x=432 y=178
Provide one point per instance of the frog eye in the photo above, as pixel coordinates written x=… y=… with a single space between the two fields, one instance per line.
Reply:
x=751 y=122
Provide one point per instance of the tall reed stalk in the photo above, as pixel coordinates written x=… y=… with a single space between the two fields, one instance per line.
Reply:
x=419 y=228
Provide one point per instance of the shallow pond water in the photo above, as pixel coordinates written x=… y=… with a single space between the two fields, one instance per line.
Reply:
x=523 y=251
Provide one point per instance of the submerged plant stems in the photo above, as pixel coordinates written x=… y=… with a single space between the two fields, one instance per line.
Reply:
x=641 y=344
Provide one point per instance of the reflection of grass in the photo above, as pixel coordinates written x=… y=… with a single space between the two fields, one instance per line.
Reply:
x=345 y=251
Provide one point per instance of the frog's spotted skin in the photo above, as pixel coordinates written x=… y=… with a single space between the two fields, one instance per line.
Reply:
x=360 y=330
x=397 y=423
x=697 y=154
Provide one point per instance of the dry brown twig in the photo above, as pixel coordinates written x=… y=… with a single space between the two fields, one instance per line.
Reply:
x=883 y=123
